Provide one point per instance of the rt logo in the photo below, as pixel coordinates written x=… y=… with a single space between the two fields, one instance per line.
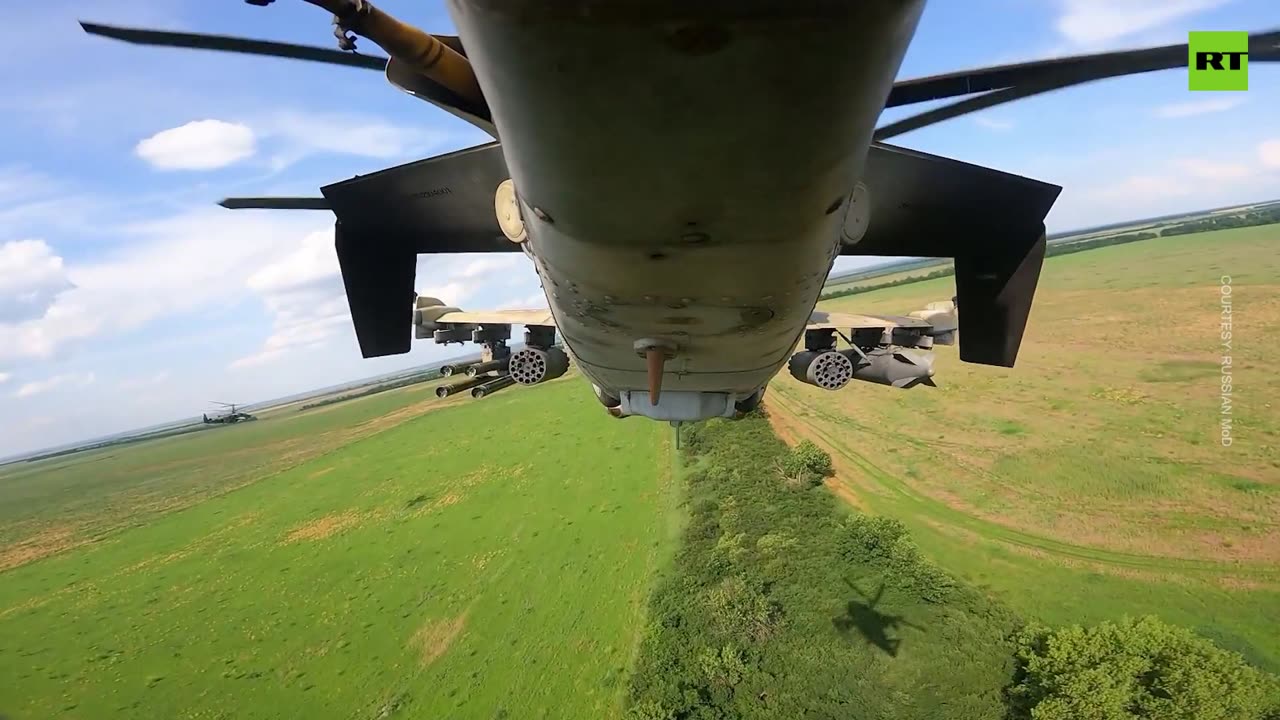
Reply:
x=1218 y=60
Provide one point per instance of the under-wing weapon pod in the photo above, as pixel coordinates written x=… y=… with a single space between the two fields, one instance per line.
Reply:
x=896 y=354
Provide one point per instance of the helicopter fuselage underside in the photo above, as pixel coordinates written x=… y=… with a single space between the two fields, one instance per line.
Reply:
x=683 y=169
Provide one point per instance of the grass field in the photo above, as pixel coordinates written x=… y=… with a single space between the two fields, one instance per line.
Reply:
x=1089 y=481
x=371 y=559
x=50 y=505
x=399 y=556
x=859 y=281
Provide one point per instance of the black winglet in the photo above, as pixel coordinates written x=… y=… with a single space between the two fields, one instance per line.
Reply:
x=996 y=291
x=378 y=276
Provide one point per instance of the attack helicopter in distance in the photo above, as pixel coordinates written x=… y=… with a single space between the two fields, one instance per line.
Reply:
x=227 y=417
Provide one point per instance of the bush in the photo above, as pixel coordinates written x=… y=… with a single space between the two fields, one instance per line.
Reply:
x=742 y=611
x=884 y=541
x=691 y=435
x=870 y=535
x=723 y=666
x=806 y=464
x=1132 y=669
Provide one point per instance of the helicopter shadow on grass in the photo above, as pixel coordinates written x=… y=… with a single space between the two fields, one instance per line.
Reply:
x=876 y=628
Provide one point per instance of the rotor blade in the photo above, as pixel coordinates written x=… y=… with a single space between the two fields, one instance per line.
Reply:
x=1018 y=92
x=275 y=203
x=227 y=43
x=964 y=107
x=1060 y=72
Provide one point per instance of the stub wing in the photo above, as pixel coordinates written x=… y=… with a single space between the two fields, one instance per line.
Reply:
x=433 y=318
x=498 y=317
x=821 y=320
x=434 y=314
x=499 y=366
x=937 y=320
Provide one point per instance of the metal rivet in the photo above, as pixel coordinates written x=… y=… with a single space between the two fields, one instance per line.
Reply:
x=694 y=238
x=648 y=298
x=686 y=301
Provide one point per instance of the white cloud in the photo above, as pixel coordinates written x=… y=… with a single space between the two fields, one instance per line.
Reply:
x=1091 y=23
x=293 y=136
x=1142 y=187
x=1209 y=170
x=19 y=183
x=532 y=301
x=1269 y=153
x=1176 y=178
x=31 y=276
x=187 y=262
x=4 y=377
x=144 y=382
x=303 y=291
x=193 y=263
x=34 y=204
x=1177 y=184
x=198 y=145
x=312 y=261
x=1198 y=107
x=991 y=123
x=69 y=380
x=284 y=138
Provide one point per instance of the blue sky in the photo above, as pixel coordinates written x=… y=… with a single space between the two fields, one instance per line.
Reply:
x=128 y=298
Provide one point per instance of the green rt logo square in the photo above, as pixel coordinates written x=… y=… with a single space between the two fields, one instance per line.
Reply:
x=1218 y=60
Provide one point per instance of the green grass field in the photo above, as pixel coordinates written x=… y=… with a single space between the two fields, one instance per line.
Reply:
x=495 y=556
x=1089 y=481
x=398 y=556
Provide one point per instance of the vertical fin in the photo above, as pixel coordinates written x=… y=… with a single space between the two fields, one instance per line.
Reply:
x=994 y=292
x=379 y=281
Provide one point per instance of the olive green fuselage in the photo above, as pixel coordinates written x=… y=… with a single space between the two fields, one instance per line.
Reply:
x=683 y=168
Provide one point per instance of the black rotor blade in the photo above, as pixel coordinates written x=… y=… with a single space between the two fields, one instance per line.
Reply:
x=1263 y=48
x=227 y=43
x=1054 y=71
x=275 y=203
x=964 y=107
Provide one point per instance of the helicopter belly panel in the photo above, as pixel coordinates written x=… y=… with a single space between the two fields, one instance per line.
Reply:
x=681 y=168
